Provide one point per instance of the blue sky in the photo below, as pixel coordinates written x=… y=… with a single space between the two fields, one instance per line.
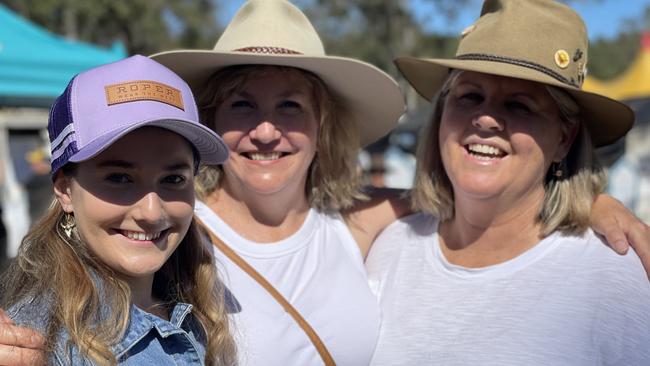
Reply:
x=604 y=18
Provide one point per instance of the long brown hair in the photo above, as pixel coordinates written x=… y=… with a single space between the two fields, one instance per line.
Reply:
x=50 y=263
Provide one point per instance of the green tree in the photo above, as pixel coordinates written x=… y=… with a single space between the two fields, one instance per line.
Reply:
x=377 y=31
x=608 y=58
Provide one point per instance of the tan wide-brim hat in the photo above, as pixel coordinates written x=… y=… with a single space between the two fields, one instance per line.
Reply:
x=537 y=40
x=275 y=32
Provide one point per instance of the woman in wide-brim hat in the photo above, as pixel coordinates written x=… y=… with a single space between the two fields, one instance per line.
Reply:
x=293 y=118
x=501 y=268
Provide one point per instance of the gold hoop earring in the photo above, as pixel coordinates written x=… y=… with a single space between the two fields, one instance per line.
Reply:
x=68 y=224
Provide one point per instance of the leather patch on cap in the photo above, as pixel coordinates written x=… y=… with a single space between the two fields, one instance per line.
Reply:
x=133 y=91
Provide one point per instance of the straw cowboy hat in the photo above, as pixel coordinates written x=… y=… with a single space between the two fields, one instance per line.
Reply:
x=538 y=40
x=275 y=32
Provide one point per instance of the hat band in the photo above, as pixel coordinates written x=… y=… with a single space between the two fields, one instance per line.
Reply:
x=523 y=63
x=267 y=50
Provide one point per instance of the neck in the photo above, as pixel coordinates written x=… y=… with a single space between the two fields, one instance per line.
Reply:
x=484 y=233
x=142 y=297
x=259 y=218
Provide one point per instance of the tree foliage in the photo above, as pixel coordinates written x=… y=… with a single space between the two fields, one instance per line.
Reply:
x=609 y=58
x=377 y=31
x=144 y=26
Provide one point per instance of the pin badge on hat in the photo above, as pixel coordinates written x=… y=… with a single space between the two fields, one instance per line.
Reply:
x=562 y=59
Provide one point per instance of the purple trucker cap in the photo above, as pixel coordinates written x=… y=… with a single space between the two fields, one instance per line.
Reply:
x=101 y=105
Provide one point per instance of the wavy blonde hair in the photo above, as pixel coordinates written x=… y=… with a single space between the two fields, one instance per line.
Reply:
x=567 y=199
x=332 y=183
x=50 y=263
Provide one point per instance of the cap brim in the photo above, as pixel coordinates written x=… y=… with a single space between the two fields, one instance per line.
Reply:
x=372 y=96
x=208 y=144
x=607 y=119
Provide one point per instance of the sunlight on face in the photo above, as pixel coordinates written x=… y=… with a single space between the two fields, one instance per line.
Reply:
x=498 y=136
x=271 y=129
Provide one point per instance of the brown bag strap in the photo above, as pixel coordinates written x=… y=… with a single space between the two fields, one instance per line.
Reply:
x=239 y=261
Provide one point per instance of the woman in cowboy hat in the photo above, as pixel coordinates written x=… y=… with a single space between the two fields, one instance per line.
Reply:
x=501 y=268
x=293 y=119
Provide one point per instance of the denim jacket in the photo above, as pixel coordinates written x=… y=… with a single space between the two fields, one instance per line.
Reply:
x=148 y=340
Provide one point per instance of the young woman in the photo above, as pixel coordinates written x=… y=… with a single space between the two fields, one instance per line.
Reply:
x=116 y=272
x=501 y=269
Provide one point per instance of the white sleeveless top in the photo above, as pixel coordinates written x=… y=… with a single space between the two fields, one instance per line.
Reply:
x=319 y=270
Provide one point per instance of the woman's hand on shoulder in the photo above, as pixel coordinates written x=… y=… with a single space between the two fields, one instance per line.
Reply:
x=19 y=346
x=621 y=228
x=367 y=219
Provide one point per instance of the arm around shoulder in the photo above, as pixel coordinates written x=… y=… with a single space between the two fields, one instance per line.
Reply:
x=19 y=345
x=366 y=220
x=621 y=228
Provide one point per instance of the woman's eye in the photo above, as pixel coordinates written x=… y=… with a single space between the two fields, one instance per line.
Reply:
x=519 y=106
x=174 y=179
x=290 y=107
x=471 y=97
x=241 y=104
x=119 y=178
x=290 y=104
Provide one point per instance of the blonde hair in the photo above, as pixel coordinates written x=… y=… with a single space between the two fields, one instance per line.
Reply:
x=51 y=264
x=333 y=183
x=567 y=199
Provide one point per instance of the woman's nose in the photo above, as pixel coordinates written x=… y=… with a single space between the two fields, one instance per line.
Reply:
x=488 y=121
x=265 y=132
x=150 y=208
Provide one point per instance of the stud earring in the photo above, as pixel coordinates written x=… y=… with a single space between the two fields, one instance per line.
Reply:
x=557 y=169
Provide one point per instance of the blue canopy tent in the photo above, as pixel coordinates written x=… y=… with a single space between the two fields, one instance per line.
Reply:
x=36 y=65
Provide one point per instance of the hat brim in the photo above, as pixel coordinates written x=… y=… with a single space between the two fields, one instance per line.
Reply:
x=372 y=96
x=607 y=119
x=210 y=147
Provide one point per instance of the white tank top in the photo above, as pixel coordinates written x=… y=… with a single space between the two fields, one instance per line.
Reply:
x=319 y=270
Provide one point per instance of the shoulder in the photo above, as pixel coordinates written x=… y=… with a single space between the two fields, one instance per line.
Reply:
x=616 y=275
x=33 y=312
x=621 y=288
x=367 y=219
x=416 y=226
x=401 y=247
x=403 y=236
x=36 y=313
x=595 y=250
